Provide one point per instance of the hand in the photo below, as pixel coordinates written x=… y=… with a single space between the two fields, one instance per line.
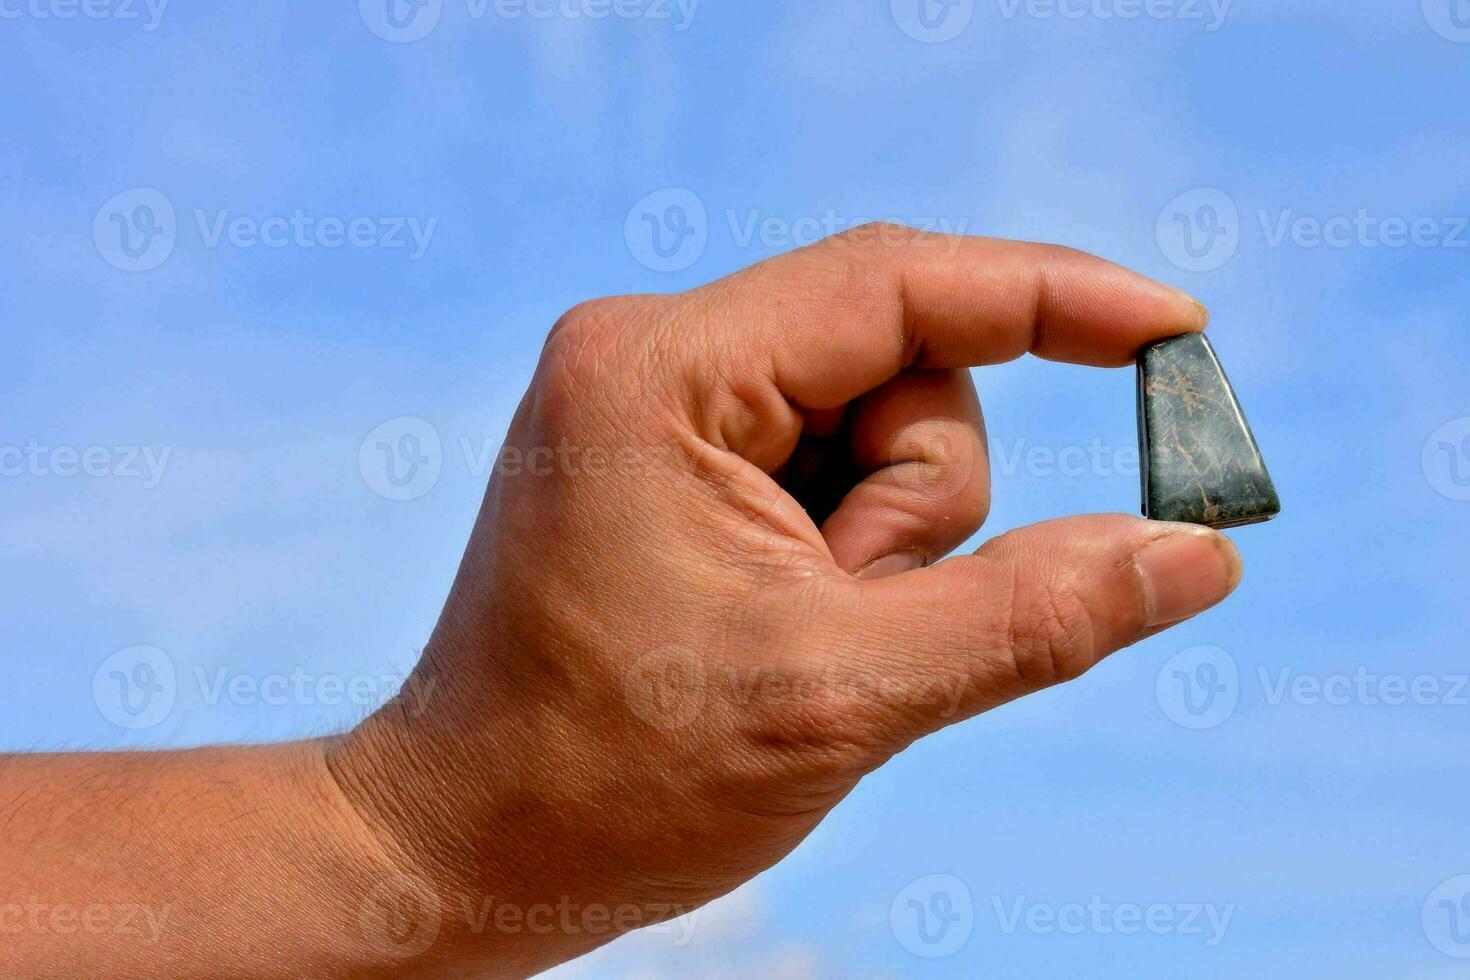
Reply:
x=704 y=596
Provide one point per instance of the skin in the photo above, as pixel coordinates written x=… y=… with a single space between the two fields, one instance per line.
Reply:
x=704 y=596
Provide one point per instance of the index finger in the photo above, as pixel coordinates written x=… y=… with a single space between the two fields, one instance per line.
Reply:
x=835 y=320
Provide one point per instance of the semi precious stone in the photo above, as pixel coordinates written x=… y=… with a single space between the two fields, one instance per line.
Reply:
x=1200 y=462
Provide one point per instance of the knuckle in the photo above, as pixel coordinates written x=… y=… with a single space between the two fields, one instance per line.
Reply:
x=585 y=324
x=1051 y=254
x=870 y=243
x=587 y=344
x=879 y=232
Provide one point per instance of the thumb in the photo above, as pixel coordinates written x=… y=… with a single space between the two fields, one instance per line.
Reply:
x=1032 y=608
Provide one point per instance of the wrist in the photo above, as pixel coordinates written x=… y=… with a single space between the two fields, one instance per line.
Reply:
x=343 y=895
x=453 y=804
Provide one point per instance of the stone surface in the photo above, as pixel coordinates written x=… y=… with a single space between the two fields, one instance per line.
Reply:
x=1200 y=462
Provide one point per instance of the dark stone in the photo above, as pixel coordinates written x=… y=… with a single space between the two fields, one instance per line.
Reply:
x=1199 y=459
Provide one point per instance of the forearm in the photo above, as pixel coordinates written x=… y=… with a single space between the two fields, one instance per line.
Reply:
x=332 y=857
x=227 y=861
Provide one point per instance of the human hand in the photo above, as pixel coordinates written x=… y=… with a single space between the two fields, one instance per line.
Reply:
x=704 y=595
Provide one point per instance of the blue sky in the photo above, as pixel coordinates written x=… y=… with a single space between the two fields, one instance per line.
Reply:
x=333 y=228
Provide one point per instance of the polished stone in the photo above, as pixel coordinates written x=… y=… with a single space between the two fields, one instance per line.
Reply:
x=1200 y=462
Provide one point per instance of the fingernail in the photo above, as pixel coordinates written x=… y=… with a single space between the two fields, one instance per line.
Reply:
x=1186 y=571
x=896 y=564
x=1201 y=313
